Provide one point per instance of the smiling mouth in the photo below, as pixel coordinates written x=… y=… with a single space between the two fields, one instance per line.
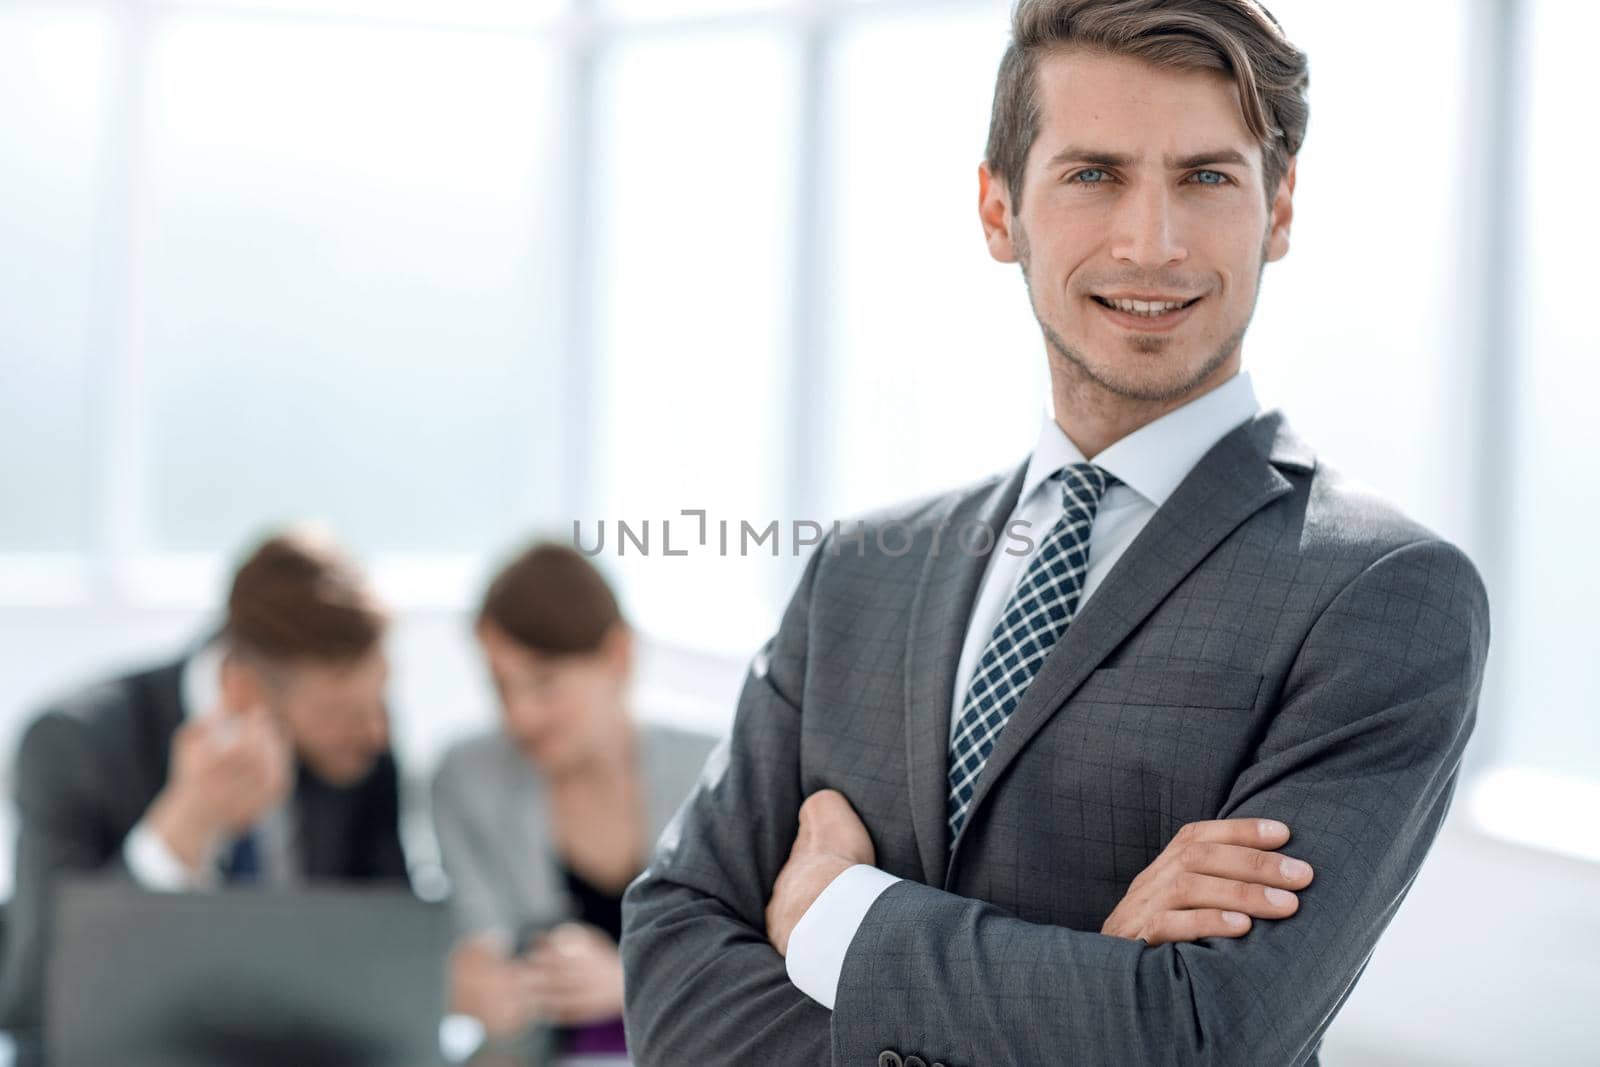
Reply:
x=1148 y=309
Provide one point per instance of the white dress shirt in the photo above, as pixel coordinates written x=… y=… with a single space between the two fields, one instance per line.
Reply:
x=151 y=860
x=1149 y=464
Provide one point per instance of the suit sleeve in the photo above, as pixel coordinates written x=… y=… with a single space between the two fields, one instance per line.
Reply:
x=63 y=830
x=1360 y=761
x=469 y=851
x=702 y=983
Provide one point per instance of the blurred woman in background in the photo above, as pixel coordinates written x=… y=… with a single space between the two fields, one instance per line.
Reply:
x=543 y=823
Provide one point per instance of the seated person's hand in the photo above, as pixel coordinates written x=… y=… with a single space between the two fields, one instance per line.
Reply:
x=1209 y=880
x=227 y=770
x=491 y=986
x=831 y=839
x=574 y=974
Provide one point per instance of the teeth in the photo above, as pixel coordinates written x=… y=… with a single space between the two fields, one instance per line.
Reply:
x=1147 y=308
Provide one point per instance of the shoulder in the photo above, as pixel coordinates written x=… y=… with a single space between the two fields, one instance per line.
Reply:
x=91 y=740
x=673 y=745
x=884 y=545
x=672 y=761
x=1343 y=513
x=923 y=514
x=476 y=764
x=1380 y=549
x=106 y=714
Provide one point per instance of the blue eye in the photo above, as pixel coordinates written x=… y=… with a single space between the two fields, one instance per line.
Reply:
x=1091 y=170
x=1221 y=178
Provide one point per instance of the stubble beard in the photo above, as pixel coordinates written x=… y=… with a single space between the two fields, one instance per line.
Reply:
x=1079 y=373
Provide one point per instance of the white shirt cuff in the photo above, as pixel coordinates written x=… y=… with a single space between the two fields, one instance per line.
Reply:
x=821 y=938
x=156 y=866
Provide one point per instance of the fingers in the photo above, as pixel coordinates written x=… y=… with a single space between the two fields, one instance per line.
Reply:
x=828 y=824
x=1250 y=832
x=241 y=762
x=1243 y=864
x=1201 y=892
x=1212 y=880
x=563 y=990
x=828 y=809
x=1194 y=924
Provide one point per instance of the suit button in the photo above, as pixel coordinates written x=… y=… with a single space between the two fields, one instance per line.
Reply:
x=890 y=1058
x=916 y=1061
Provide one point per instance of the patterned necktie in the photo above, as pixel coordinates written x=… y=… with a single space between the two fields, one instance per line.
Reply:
x=1041 y=606
x=243 y=863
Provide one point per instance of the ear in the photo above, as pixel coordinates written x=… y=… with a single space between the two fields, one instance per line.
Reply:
x=617 y=649
x=1282 y=215
x=994 y=211
x=242 y=686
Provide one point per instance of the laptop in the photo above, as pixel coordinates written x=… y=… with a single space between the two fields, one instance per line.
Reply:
x=313 y=977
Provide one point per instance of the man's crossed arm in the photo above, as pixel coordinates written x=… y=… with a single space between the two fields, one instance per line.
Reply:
x=1360 y=760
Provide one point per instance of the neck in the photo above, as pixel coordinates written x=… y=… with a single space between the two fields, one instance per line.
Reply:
x=1094 y=416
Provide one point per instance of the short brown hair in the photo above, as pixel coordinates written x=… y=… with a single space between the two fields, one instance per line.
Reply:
x=551 y=599
x=298 y=596
x=1240 y=38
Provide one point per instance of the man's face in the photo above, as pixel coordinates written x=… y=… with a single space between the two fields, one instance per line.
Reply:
x=1142 y=183
x=335 y=714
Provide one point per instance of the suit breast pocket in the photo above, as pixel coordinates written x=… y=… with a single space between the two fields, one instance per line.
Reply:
x=1153 y=748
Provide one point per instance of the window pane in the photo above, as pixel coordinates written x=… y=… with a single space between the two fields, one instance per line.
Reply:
x=53 y=97
x=1363 y=317
x=677 y=9
x=348 y=282
x=521 y=13
x=937 y=374
x=695 y=162
x=1549 y=624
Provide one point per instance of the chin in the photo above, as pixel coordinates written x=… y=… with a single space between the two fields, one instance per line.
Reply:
x=348 y=774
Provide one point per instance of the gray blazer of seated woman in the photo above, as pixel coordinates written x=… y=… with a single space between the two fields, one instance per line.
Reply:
x=543 y=823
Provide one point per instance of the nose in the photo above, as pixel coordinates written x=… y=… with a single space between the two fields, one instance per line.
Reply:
x=1146 y=233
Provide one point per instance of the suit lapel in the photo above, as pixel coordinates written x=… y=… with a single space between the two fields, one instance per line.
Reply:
x=940 y=609
x=1233 y=481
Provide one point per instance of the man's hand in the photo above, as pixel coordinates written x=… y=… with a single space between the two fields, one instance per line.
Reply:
x=574 y=975
x=831 y=840
x=1208 y=882
x=227 y=771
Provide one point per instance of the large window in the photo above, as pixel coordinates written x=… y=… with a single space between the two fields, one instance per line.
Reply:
x=1548 y=733
x=52 y=152
x=344 y=239
x=446 y=274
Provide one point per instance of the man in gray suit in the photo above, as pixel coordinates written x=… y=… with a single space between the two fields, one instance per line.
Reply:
x=1007 y=785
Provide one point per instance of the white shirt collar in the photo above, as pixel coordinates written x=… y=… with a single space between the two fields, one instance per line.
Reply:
x=1156 y=457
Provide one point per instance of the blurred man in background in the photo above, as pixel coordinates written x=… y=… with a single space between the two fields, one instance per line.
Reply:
x=259 y=757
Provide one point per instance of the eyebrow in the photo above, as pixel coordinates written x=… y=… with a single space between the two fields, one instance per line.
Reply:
x=1101 y=158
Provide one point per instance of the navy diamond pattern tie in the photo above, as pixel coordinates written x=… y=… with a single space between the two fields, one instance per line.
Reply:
x=243 y=863
x=1038 y=613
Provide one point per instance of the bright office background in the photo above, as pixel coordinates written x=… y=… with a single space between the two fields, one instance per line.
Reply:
x=444 y=274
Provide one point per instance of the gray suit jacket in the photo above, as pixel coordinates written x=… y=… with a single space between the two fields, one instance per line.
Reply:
x=1276 y=642
x=493 y=824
